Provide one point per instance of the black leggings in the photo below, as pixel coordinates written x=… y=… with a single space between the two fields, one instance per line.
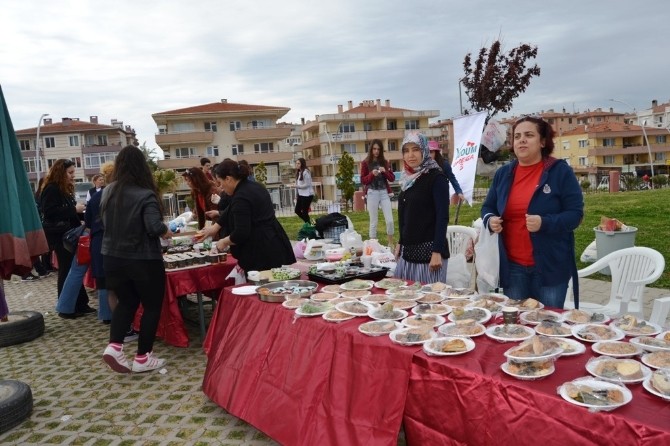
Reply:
x=135 y=282
x=302 y=205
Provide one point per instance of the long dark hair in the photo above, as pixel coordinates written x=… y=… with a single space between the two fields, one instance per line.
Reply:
x=132 y=170
x=58 y=175
x=543 y=128
x=380 y=159
x=230 y=168
x=439 y=159
x=201 y=185
x=303 y=167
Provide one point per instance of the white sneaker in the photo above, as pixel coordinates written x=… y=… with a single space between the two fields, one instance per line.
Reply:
x=151 y=363
x=116 y=360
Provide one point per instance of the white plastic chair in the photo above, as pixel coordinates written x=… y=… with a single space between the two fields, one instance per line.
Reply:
x=631 y=269
x=459 y=239
x=660 y=311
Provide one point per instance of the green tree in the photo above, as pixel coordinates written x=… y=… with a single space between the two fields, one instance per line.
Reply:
x=261 y=173
x=495 y=78
x=150 y=155
x=344 y=180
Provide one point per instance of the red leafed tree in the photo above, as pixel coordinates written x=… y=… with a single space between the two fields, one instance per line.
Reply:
x=495 y=78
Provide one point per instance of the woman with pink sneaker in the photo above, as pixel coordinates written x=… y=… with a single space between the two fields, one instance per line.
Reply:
x=132 y=216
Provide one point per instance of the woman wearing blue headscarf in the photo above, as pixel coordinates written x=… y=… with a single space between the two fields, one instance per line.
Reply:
x=423 y=214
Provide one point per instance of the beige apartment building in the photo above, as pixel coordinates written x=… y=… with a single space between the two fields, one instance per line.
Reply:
x=89 y=144
x=228 y=130
x=350 y=130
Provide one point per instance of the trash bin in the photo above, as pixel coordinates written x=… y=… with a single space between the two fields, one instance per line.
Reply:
x=610 y=241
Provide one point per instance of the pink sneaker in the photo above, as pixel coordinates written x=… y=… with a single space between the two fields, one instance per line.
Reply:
x=148 y=363
x=115 y=359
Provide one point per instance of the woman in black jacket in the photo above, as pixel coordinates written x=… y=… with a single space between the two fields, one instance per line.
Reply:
x=255 y=237
x=60 y=214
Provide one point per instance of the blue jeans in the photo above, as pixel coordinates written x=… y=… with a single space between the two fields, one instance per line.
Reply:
x=104 y=312
x=67 y=300
x=525 y=281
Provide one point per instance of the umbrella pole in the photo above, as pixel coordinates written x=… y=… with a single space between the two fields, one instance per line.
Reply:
x=458 y=210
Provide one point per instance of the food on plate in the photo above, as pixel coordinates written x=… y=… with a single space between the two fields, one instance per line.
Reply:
x=356 y=294
x=653 y=342
x=386 y=311
x=535 y=347
x=583 y=317
x=292 y=304
x=285 y=273
x=403 y=304
x=615 y=348
x=286 y=290
x=413 y=335
x=431 y=309
x=357 y=284
x=660 y=380
x=375 y=298
x=458 y=292
x=378 y=327
x=478 y=314
x=451 y=345
x=525 y=304
x=436 y=287
x=499 y=298
x=402 y=294
x=594 y=332
x=631 y=325
x=311 y=307
x=331 y=289
x=431 y=298
x=354 y=307
x=323 y=296
x=551 y=328
x=530 y=368
x=458 y=303
x=593 y=396
x=462 y=328
x=624 y=369
x=537 y=316
x=509 y=331
x=489 y=304
x=569 y=346
x=390 y=283
x=336 y=316
x=657 y=359
x=423 y=320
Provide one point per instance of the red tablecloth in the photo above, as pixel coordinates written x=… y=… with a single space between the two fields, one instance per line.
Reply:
x=305 y=381
x=179 y=283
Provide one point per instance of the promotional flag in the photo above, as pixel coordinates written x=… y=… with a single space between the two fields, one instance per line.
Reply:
x=467 y=137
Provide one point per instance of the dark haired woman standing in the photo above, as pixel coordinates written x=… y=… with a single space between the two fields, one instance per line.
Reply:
x=303 y=184
x=132 y=257
x=376 y=174
x=201 y=192
x=540 y=201
x=255 y=237
x=59 y=206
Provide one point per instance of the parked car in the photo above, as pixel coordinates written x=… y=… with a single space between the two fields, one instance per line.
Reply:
x=81 y=190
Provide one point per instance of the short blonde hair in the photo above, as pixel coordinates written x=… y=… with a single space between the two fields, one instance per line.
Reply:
x=107 y=168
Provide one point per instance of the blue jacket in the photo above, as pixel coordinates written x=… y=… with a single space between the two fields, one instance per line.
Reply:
x=559 y=201
x=452 y=178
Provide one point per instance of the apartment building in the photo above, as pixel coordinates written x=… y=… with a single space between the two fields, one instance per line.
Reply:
x=350 y=130
x=657 y=116
x=88 y=143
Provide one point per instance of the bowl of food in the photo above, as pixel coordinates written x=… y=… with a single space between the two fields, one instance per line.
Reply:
x=285 y=273
x=288 y=289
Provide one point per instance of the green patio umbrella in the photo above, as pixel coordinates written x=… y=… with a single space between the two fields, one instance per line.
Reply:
x=21 y=234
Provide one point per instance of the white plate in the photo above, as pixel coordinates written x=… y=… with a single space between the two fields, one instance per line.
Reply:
x=344 y=308
x=566 y=328
x=518 y=304
x=357 y=284
x=323 y=296
x=650 y=356
x=488 y=304
x=650 y=348
x=246 y=290
x=444 y=329
x=656 y=330
x=404 y=294
x=528 y=333
x=650 y=388
x=525 y=314
x=397 y=315
x=330 y=289
x=375 y=298
x=505 y=368
x=435 y=309
x=299 y=312
x=663 y=334
x=591 y=368
x=458 y=293
x=482 y=320
x=551 y=354
x=567 y=318
x=432 y=347
x=438 y=320
x=327 y=316
x=431 y=298
x=389 y=283
x=356 y=294
x=598 y=348
x=366 y=327
x=291 y=305
x=614 y=333
x=578 y=347
x=598 y=385
x=395 y=333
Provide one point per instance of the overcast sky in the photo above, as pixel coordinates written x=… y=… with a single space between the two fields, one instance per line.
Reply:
x=128 y=59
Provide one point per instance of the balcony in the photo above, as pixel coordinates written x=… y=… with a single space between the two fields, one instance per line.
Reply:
x=269 y=157
x=184 y=138
x=262 y=134
x=115 y=148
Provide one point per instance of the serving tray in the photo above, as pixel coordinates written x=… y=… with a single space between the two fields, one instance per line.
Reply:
x=376 y=273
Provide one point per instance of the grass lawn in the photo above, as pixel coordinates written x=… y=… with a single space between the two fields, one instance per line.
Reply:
x=647 y=210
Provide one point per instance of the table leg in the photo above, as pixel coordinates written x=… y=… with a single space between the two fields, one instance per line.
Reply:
x=201 y=317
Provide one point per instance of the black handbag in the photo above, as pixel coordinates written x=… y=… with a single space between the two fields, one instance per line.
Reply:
x=55 y=227
x=71 y=238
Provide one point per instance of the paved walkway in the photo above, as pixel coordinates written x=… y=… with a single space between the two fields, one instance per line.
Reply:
x=79 y=401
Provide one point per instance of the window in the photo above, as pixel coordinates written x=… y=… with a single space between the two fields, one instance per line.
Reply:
x=346 y=127
x=77 y=162
x=25 y=144
x=50 y=162
x=608 y=159
x=183 y=127
x=582 y=161
x=257 y=124
x=74 y=140
x=660 y=156
x=273 y=173
x=412 y=124
x=348 y=147
x=49 y=142
x=367 y=126
x=213 y=151
x=29 y=165
x=238 y=149
x=608 y=142
x=90 y=140
x=235 y=125
x=95 y=160
x=102 y=140
x=569 y=120
x=185 y=152
x=392 y=125
x=210 y=126
x=263 y=147
x=661 y=139
x=566 y=145
x=393 y=146
x=583 y=143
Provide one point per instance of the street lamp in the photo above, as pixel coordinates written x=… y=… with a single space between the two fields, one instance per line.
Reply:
x=38 y=151
x=644 y=132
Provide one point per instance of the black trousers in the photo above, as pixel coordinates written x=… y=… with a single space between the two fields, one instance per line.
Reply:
x=302 y=205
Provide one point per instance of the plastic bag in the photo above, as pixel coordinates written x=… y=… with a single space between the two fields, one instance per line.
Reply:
x=351 y=238
x=307 y=232
x=458 y=274
x=590 y=254
x=84 y=250
x=487 y=260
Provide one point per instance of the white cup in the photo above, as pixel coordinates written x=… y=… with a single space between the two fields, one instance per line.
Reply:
x=367 y=261
x=254 y=276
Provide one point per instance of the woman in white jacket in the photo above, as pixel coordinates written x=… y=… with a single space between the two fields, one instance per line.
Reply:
x=303 y=184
